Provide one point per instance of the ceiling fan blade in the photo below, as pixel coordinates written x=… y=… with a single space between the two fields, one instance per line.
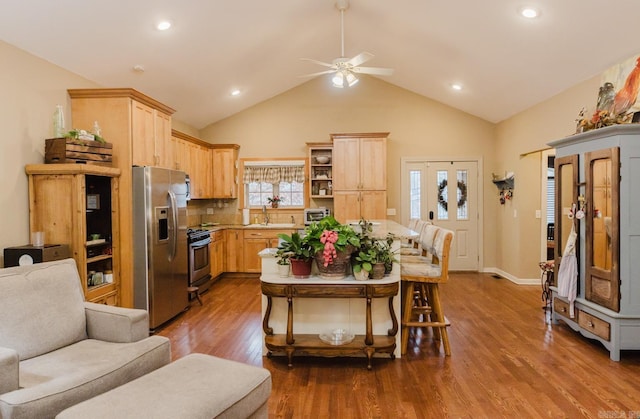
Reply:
x=318 y=73
x=360 y=59
x=318 y=62
x=378 y=71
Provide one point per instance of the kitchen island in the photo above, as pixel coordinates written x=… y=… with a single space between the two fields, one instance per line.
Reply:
x=299 y=314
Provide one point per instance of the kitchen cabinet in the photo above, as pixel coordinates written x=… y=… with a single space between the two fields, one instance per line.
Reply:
x=225 y=164
x=216 y=253
x=128 y=127
x=354 y=205
x=151 y=129
x=595 y=172
x=234 y=256
x=181 y=159
x=71 y=203
x=255 y=241
x=360 y=175
x=320 y=171
x=193 y=156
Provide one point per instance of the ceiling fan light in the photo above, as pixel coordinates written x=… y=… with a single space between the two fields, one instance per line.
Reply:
x=338 y=80
x=351 y=79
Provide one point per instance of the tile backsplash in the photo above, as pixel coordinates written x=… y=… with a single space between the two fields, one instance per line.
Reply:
x=227 y=212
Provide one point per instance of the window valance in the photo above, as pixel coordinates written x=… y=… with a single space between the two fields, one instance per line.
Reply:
x=274 y=174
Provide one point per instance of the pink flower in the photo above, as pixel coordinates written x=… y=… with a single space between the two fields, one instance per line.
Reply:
x=328 y=238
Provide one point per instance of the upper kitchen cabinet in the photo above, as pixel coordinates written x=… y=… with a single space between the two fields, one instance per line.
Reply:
x=359 y=171
x=138 y=126
x=193 y=156
x=225 y=163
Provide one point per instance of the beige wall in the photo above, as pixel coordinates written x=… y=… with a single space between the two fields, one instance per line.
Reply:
x=418 y=126
x=518 y=238
x=31 y=88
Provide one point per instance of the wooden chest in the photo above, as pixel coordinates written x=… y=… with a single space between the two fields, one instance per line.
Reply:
x=68 y=150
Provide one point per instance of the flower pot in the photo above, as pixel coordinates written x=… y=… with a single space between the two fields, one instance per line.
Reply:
x=301 y=268
x=362 y=275
x=338 y=268
x=283 y=270
x=274 y=205
x=378 y=271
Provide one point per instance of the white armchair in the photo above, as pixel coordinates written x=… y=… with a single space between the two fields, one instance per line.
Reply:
x=57 y=350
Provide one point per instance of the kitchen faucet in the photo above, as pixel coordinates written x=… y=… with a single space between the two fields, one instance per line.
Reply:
x=265 y=215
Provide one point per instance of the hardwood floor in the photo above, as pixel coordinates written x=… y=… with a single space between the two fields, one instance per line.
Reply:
x=507 y=361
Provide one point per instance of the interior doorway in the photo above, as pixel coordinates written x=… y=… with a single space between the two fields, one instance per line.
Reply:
x=447 y=193
x=547 y=200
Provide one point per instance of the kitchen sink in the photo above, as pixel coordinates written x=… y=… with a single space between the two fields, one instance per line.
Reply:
x=271 y=225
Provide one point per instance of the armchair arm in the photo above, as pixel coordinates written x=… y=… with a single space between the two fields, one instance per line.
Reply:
x=116 y=324
x=9 y=362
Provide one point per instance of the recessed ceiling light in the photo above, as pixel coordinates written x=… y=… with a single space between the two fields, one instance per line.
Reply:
x=163 y=25
x=529 y=12
x=235 y=92
x=456 y=86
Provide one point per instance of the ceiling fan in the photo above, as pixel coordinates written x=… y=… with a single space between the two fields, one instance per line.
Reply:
x=345 y=69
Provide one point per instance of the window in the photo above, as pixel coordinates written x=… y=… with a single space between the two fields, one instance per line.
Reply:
x=284 y=179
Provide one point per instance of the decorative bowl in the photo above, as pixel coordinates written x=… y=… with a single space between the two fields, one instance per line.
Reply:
x=337 y=337
x=323 y=159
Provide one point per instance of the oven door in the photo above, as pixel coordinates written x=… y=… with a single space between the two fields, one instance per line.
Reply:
x=199 y=263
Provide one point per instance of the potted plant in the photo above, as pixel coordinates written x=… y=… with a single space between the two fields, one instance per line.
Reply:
x=332 y=244
x=298 y=252
x=283 y=265
x=275 y=200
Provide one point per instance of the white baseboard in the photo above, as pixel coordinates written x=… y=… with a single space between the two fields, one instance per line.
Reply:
x=515 y=280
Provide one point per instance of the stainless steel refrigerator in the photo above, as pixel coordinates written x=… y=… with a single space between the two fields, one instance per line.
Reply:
x=160 y=243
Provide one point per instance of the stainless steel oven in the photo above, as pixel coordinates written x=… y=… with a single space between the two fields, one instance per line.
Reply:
x=199 y=262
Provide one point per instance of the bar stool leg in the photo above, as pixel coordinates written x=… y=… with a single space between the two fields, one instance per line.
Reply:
x=440 y=319
x=194 y=291
x=407 y=309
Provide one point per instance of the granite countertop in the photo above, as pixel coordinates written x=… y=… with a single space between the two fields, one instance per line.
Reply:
x=273 y=226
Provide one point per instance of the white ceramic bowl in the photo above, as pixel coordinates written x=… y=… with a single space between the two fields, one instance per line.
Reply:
x=323 y=159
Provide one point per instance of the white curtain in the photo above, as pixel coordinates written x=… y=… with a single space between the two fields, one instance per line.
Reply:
x=273 y=174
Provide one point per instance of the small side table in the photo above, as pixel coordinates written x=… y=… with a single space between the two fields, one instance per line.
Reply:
x=546 y=279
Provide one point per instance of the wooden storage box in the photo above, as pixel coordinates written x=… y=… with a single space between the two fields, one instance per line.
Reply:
x=68 y=150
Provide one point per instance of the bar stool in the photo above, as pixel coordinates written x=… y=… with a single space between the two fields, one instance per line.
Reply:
x=420 y=279
x=193 y=291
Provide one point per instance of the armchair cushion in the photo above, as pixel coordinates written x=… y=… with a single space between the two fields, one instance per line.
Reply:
x=41 y=307
x=8 y=370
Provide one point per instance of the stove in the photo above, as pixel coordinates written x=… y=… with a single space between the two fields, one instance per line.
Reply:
x=199 y=264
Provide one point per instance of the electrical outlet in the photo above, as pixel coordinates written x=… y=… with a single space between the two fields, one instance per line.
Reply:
x=391 y=211
x=515 y=213
x=538 y=214
x=209 y=211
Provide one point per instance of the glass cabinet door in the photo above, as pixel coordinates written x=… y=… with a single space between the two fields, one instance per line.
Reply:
x=566 y=178
x=602 y=285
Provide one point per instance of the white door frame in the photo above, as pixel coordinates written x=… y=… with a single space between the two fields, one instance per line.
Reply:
x=404 y=194
x=543 y=201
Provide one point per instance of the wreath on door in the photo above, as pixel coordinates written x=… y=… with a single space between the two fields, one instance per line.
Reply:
x=462 y=187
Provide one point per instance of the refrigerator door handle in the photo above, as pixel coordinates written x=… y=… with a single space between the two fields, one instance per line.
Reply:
x=173 y=242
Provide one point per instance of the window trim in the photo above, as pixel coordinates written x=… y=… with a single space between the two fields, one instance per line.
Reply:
x=257 y=161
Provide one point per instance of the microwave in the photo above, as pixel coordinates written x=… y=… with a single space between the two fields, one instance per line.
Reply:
x=312 y=215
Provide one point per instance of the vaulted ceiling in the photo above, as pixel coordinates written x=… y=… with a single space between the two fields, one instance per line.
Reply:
x=504 y=62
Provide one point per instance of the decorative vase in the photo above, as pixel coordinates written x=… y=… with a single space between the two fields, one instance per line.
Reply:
x=378 y=271
x=274 y=205
x=362 y=275
x=338 y=267
x=283 y=271
x=301 y=268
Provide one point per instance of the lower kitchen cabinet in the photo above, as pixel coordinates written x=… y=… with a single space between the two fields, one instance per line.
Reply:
x=216 y=253
x=234 y=256
x=354 y=205
x=254 y=242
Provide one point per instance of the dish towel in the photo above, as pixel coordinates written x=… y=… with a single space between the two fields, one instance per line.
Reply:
x=568 y=271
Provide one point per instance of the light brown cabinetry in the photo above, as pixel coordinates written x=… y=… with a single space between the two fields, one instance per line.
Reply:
x=128 y=126
x=216 y=253
x=256 y=241
x=71 y=202
x=234 y=256
x=152 y=131
x=225 y=163
x=360 y=176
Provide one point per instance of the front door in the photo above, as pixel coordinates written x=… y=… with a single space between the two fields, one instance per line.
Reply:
x=446 y=193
